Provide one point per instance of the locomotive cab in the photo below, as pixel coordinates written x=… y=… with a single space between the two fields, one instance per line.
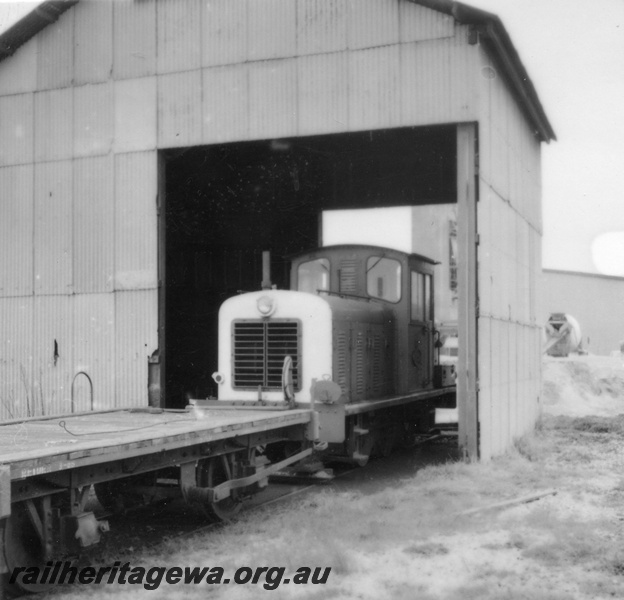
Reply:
x=402 y=282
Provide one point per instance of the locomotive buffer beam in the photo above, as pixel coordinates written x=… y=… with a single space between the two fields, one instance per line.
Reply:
x=239 y=404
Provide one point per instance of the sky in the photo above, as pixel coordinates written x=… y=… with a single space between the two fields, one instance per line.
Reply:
x=573 y=51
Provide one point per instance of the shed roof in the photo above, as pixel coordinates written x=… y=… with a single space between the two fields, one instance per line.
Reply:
x=488 y=25
x=31 y=24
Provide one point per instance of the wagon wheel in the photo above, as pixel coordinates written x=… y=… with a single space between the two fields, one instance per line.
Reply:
x=120 y=495
x=210 y=473
x=21 y=546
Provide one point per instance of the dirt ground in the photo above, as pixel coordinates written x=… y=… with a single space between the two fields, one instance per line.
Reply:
x=442 y=533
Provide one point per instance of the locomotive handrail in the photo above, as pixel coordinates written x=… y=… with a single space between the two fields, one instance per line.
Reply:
x=345 y=295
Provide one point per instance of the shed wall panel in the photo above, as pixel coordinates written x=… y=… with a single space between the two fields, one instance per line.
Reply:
x=418 y=23
x=273 y=99
x=224 y=32
x=499 y=387
x=135 y=115
x=53 y=227
x=225 y=108
x=534 y=193
x=499 y=174
x=16 y=230
x=53 y=352
x=19 y=73
x=487 y=411
x=509 y=260
x=94 y=351
x=178 y=40
x=94 y=119
x=180 y=109
x=485 y=386
x=437 y=85
x=16 y=129
x=272 y=29
x=506 y=405
x=93 y=50
x=136 y=338
x=54 y=125
x=16 y=336
x=373 y=23
x=515 y=380
x=374 y=100
x=134 y=35
x=55 y=54
x=136 y=222
x=324 y=93
x=93 y=220
x=322 y=26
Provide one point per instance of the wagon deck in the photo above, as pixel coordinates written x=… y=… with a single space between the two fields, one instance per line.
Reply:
x=37 y=447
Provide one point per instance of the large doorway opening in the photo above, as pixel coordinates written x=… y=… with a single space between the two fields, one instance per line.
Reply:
x=225 y=204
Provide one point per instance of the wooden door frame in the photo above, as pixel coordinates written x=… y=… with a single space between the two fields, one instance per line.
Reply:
x=467 y=275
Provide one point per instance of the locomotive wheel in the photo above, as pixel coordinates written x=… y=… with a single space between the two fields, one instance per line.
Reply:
x=210 y=473
x=363 y=436
x=364 y=447
x=385 y=442
x=21 y=547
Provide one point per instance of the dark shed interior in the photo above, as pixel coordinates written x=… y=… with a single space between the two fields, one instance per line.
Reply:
x=225 y=204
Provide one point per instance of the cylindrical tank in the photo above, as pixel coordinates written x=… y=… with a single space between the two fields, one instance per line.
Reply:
x=563 y=335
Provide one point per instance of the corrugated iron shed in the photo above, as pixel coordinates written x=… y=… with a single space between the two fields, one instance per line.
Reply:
x=93 y=106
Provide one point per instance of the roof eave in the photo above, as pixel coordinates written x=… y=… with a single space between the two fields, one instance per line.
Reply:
x=30 y=25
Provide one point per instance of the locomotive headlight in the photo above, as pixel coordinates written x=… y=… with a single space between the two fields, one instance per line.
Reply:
x=266 y=306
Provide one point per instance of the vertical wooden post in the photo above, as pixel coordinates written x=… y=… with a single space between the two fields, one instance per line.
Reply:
x=162 y=276
x=467 y=367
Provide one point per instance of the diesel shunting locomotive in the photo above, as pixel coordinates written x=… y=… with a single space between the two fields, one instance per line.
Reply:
x=354 y=337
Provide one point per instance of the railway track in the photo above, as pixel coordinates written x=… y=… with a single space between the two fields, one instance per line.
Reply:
x=146 y=527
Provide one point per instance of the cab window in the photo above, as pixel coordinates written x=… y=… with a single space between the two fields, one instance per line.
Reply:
x=421 y=297
x=383 y=278
x=313 y=276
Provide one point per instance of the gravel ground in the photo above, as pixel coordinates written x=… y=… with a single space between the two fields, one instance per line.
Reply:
x=446 y=531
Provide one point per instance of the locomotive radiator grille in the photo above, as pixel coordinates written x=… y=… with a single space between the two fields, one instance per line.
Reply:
x=258 y=352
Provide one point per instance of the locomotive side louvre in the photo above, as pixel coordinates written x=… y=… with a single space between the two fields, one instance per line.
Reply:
x=362 y=362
